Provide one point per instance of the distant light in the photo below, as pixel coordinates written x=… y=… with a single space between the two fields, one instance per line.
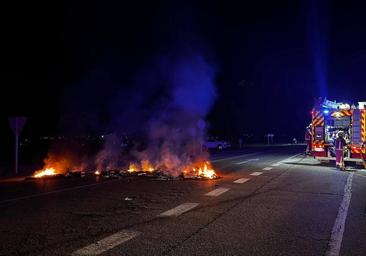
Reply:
x=326 y=111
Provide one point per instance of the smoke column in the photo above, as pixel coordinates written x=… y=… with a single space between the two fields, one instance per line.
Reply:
x=177 y=128
x=318 y=40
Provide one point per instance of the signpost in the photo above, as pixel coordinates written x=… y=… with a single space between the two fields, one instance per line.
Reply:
x=17 y=124
x=269 y=138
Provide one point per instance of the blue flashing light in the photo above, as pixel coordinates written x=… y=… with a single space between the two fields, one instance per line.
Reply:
x=326 y=111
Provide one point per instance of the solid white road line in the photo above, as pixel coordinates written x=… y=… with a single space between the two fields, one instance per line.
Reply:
x=247 y=161
x=180 y=209
x=217 y=192
x=241 y=180
x=267 y=168
x=256 y=173
x=299 y=154
x=234 y=157
x=335 y=242
x=107 y=243
x=290 y=158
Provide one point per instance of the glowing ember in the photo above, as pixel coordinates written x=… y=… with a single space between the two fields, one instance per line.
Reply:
x=45 y=172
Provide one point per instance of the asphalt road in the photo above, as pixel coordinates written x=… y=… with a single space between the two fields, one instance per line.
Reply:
x=290 y=206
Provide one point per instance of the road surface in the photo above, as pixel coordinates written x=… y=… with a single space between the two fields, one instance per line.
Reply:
x=269 y=201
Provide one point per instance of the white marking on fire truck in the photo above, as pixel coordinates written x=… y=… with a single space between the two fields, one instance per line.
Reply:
x=217 y=192
x=247 y=161
x=107 y=243
x=267 y=168
x=180 y=209
x=334 y=245
x=241 y=180
x=256 y=173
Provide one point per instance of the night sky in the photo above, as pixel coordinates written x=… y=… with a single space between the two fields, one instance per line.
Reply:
x=69 y=65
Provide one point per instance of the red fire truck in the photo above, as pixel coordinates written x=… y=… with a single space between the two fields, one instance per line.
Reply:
x=331 y=117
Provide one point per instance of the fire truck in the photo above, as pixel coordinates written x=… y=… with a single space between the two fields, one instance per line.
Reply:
x=331 y=117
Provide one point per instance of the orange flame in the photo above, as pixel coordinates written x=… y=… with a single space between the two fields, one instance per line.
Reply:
x=207 y=172
x=56 y=164
x=45 y=172
x=132 y=168
x=146 y=166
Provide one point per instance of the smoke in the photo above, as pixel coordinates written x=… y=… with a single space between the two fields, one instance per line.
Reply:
x=128 y=89
x=167 y=102
x=64 y=160
x=318 y=31
x=177 y=129
x=110 y=156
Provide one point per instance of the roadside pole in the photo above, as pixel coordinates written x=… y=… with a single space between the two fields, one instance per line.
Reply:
x=17 y=124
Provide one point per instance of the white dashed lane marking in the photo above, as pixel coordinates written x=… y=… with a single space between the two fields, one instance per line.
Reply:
x=241 y=180
x=267 y=168
x=107 y=243
x=180 y=209
x=217 y=192
x=247 y=161
x=256 y=173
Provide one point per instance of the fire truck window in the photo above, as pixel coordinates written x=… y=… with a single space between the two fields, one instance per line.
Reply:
x=342 y=122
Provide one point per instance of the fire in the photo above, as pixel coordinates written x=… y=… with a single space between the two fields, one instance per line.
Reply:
x=207 y=172
x=45 y=172
x=132 y=168
x=204 y=171
x=56 y=165
x=199 y=170
x=146 y=166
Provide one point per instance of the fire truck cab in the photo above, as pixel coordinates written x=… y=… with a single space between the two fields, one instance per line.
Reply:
x=331 y=117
